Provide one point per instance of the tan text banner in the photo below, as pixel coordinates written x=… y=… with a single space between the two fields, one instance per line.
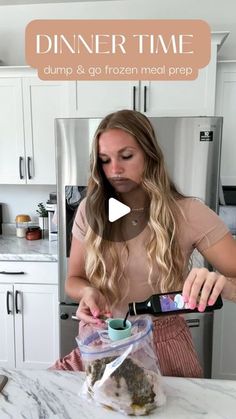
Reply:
x=118 y=49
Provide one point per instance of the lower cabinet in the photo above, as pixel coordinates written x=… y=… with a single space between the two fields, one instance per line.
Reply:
x=29 y=319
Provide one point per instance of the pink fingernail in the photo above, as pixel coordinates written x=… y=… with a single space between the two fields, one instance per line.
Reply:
x=210 y=302
x=201 y=307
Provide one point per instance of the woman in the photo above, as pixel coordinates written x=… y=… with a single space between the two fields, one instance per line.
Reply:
x=106 y=273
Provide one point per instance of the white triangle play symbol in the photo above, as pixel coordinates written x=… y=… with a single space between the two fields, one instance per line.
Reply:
x=116 y=209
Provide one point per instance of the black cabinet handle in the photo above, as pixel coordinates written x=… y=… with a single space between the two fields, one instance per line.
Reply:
x=16 y=301
x=134 y=98
x=28 y=167
x=7 y=301
x=145 y=99
x=11 y=273
x=20 y=167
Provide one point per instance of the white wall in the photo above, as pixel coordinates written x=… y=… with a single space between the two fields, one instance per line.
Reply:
x=23 y=199
x=13 y=19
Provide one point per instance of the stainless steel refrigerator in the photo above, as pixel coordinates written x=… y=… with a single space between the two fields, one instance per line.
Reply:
x=192 y=149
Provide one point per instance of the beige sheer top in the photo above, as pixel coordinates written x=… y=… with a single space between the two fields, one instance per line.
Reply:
x=200 y=228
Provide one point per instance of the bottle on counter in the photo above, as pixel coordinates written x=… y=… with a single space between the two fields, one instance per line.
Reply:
x=22 y=222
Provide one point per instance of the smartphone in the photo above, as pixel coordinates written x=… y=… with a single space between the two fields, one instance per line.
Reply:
x=3 y=381
x=174 y=302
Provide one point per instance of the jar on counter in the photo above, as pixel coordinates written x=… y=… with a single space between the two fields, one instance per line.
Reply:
x=33 y=233
x=22 y=223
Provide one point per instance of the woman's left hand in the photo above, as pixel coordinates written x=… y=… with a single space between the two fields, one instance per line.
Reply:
x=202 y=287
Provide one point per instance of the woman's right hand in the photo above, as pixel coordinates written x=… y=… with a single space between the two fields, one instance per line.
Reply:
x=92 y=305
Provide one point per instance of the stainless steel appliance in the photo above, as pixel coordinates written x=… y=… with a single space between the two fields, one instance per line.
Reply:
x=192 y=148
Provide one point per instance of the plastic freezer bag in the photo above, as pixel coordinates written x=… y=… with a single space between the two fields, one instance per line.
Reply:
x=123 y=375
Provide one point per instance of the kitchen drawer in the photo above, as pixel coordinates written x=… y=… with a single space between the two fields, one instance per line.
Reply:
x=28 y=272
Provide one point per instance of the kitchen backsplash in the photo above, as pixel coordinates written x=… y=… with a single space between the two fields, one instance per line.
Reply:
x=21 y=199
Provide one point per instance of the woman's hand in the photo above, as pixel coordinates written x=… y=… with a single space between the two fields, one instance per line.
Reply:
x=202 y=287
x=93 y=305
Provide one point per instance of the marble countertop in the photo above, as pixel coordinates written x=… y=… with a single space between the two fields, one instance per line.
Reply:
x=15 y=248
x=56 y=395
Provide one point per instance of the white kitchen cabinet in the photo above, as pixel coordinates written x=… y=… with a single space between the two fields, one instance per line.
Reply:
x=98 y=98
x=12 y=149
x=180 y=98
x=28 y=108
x=43 y=102
x=154 y=98
x=29 y=317
x=7 y=348
x=225 y=106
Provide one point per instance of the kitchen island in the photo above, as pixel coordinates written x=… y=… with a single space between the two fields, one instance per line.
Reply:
x=55 y=395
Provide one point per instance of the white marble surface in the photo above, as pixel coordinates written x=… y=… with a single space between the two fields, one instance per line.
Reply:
x=15 y=248
x=55 y=395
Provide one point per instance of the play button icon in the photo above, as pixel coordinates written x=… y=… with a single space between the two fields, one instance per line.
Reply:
x=116 y=209
x=122 y=214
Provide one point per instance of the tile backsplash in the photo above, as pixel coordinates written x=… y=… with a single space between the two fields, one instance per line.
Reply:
x=8 y=229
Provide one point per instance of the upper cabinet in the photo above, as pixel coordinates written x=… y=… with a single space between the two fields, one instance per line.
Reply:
x=225 y=106
x=28 y=108
x=154 y=98
x=12 y=149
x=98 y=98
x=43 y=102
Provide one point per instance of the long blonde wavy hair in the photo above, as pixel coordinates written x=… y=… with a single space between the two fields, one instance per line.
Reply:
x=163 y=246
